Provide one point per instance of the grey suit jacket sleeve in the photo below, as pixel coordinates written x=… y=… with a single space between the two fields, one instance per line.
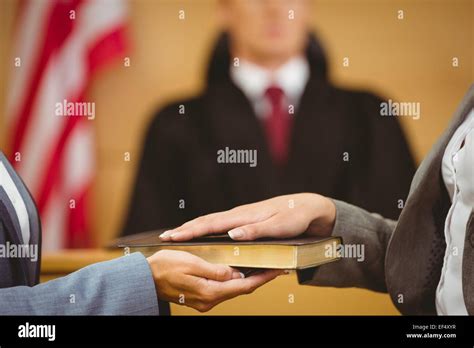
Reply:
x=359 y=227
x=123 y=286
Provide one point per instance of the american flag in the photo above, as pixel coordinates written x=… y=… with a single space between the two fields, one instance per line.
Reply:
x=58 y=46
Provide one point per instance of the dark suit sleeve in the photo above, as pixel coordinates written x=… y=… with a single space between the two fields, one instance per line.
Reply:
x=159 y=181
x=356 y=227
x=383 y=164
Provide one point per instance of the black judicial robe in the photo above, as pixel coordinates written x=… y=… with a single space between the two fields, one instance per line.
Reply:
x=340 y=147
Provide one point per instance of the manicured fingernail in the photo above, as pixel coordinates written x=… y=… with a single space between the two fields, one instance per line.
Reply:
x=236 y=233
x=242 y=275
x=165 y=234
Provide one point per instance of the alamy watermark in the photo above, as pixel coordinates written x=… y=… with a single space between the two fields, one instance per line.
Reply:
x=237 y=156
x=351 y=251
x=83 y=109
x=407 y=109
x=23 y=251
x=28 y=330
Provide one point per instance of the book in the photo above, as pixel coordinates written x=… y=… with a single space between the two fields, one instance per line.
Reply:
x=291 y=254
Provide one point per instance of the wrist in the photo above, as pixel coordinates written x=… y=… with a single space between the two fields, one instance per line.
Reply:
x=323 y=216
x=153 y=263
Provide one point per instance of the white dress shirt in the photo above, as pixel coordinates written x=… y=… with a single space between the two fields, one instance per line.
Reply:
x=254 y=80
x=458 y=175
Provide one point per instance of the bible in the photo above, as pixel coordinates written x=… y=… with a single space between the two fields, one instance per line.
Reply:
x=292 y=254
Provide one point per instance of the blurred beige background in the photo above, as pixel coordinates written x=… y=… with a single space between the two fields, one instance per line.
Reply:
x=406 y=60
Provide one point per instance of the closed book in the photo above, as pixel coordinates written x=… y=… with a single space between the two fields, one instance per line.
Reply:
x=295 y=253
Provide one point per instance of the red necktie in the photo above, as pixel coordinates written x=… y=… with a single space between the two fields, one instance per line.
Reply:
x=277 y=125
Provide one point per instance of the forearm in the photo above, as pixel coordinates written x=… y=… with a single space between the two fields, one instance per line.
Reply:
x=123 y=286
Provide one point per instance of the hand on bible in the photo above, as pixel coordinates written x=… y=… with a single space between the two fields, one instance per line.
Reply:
x=280 y=217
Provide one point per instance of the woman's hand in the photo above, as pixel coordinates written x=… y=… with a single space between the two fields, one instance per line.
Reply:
x=188 y=280
x=279 y=217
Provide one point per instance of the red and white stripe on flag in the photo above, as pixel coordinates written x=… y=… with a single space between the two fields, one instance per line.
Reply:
x=59 y=44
